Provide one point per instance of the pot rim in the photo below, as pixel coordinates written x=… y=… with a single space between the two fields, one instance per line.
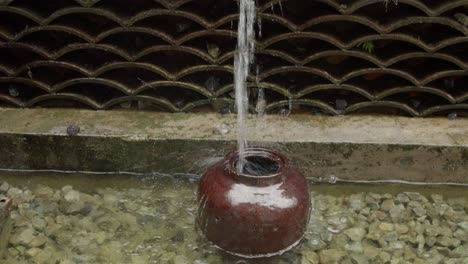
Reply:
x=232 y=157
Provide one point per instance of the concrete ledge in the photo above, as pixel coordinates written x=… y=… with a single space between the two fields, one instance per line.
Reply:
x=347 y=147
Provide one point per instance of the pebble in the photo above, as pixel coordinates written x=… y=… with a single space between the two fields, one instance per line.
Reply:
x=401 y=228
x=331 y=256
x=310 y=257
x=38 y=241
x=73 y=130
x=463 y=225
x=181 y=260
x=4 y=187
x=24 y=237
x=387 y=205
x=357 y=202
x=414 y=196
x=386 y=227
x=38 y=223
x=32 y=252
x=72 y=196
x=437 y=198
x=44 y=192
x=359 y=259
x=355 y=233
x=402 y=198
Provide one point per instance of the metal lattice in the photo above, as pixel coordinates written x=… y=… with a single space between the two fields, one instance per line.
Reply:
x=323 y=56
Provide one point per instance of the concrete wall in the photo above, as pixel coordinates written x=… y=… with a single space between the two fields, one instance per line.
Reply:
x=346 y=147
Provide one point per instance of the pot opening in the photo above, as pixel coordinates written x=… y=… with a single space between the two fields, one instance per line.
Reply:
x=259 y=162
x=260 y=166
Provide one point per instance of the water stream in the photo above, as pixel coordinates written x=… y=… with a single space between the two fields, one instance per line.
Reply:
x=243 y=59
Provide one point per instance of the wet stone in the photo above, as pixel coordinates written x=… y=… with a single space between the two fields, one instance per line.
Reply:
x=401 y=228
x=44 y=192
x=430 y=241
x=461 y=235
x=417 y=208
x=71 y=196
x=24 y=237
x=359 y=259
x=437 y=198
x=38 y=241
x=414 y=196
x=4 y=187
x=355 y=247
x=330 y=256
x=179 y=236
x=371 y=251
x=373 y=205
x=356 y=233
x=387 y=205
x=386 y=227
x=181 y=260
x=38 y=223
x=463 y=225
x=310 y=257
x=15 y=193
x=356 y=202
x=402 y=198
x=458 y=204
x=73 y=130
x=396 y=213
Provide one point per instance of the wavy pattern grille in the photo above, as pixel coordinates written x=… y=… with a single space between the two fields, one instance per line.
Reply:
x=324 y=56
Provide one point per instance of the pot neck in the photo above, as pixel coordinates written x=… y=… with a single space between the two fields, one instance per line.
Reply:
x=279 y=162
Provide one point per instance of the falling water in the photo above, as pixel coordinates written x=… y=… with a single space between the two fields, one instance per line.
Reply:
x=243 y=58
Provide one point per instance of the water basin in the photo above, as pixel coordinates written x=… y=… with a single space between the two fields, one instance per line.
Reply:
x=151 y=219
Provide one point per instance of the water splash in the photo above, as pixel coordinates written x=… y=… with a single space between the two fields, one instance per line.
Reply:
x=242 y=61
x=261 y=103
x=259 y=24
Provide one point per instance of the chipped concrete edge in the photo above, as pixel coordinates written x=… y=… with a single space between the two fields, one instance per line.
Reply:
x=347 y=147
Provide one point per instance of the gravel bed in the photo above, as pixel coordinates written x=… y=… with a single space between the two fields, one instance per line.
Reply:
x=155 y=224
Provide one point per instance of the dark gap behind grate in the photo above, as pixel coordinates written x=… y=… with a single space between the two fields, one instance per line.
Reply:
x=318 y=57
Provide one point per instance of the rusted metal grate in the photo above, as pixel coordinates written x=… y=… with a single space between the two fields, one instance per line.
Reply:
x=324 y=56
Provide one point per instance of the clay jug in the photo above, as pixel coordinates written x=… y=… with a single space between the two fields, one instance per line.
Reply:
x=261 y=212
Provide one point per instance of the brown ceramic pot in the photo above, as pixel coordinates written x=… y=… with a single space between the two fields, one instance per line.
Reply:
x=253 y=214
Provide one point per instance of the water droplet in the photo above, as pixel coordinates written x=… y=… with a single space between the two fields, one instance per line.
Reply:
x=284 y=112
x=315 y=241
x=449 y=83
x=462 y=18
x=13 y=91
x=181 y=27
x=212 y=84
x=333 y=231
x=341 y=104
x=281 y=8
x=415 y=103
x=452 y=116
x=222 y=129
x=213 y=50
x=261 y=103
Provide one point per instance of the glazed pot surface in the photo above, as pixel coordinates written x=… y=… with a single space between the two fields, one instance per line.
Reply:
x=253 y=214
